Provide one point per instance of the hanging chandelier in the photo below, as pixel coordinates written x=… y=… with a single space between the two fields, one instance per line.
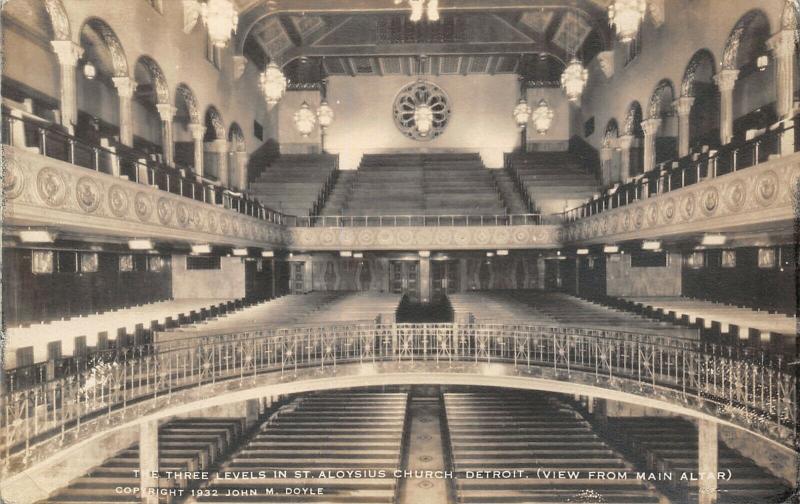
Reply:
x=421 y=8
x=305 y=119
x=522 y=113
x=89 y=70
x=573 y=80
x=325 y=114
x=221 y=18
x=626 y=16
x=273 y=84
x=423 y=118
x=543 y=117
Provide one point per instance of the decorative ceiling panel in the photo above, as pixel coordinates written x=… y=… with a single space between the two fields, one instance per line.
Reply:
x=449 y=64
x=571 y=33
x=538 y=20
x=391 y=66
x=479 y=64
x=306 y=25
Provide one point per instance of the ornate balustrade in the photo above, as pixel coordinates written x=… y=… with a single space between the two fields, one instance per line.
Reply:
x=756 y=394
x=47 y=192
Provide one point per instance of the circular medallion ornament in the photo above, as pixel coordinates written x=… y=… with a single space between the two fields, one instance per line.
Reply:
x=196 y=219
x=461 y=237
x=687 y=206
x=385 y=237
x=793 y=188
x=766 y=188
x=212 y=222
x=224 y=224
x=520 y=236
x=668 y=210
x=347 y=236
x=118 y=201
x=482 y=236
x=366 y=237
x=421 y=110
x=51 y=187
x=652 y=214
x=87 y=193
x=443 y=236
x=626 y=221
x=502 y=235
x=13 y=181
x=327 y=237
x=235 y=228
x=143 y=206
x=164 y=209
x=710 y=201
x=736 y=195
x=405 y=236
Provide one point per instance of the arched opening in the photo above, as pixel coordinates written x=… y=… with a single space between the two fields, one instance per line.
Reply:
x=238 y=158
x=698 y=83
x=186 y=113
x=101 y=114
x=633 y=130
x=754 y=91
x=609 y=155
x=666 y=135
x=215 y=153
x=151 y=90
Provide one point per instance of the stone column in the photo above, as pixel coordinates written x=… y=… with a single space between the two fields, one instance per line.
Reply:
x=650 y=128
x=148 y=460
x=239 y=169
x=782 y=46
x=606 y=160
x=198 y=130
x=251 y=411
x=167 y=112
x=625 y=143
x=707 y=446
x=125 y=88
x=221 y=147
x=725 y=81
x=68 y=54
x=424 y=279
x=683 y=106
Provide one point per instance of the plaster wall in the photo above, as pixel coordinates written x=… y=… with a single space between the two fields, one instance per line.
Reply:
x=228 y=282
x=624 y=280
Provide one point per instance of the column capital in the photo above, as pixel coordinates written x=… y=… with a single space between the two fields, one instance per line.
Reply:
x=606 y=153
x=625 y=142
x=650 y=126
x=197 y=131
x=220 y=145
x=124 y=85
x=726 y=79
x=683 y=105
x=782 y=43
x=166 y=111
x=67 y=52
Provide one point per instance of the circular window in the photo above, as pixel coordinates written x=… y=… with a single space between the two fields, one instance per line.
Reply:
x=421 y=110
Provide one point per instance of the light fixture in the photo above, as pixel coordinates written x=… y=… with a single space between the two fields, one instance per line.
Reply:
x=272 y=83
x=573 y=80
x=221 y=19
x=626 y=16
x=424 y=253
x=423 y=118
x=611 y=249
x=711 y=240
x=240 y=252
x=418 y=9
x=201 y=249
x=267 y=253
x=522 y=113
x=325 y=114
x=358 y=255
x=762 y=62
x=489 y=254
x=89 y=70
x=543 y=117
x=140 y=244
x=305 y=120
x=502 y=252
x=346 y=253
x=36 y=236
x=582 y=251
x=651 y=245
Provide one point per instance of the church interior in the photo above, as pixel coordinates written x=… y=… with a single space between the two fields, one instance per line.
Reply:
x=399 y=251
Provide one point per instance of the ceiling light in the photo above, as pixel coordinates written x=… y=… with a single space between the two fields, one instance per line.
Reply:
x=140 y=244
x=201 y=249
x=582 y=251
x=489 y=254
x=240 y=252
x=543 y=117
x=89 y=71
x=420 y=8
x=626 y=16
x=651 y=245
x=710 y=240
x=221 y=18
x=305 y=120
x=522 y=113
x=424 y=253
x=36 y=236
x=573 y=80
x=346 y=253
x=325 y=114
x=423 y=118
x=611 y=249
x=762 y=62
x=273 y=84
x=267 y=253
x=358 y=255
x=502 y=252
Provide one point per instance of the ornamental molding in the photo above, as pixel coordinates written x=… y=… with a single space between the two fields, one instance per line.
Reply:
x=761 y=194
x=424 y=238
x=40 y=191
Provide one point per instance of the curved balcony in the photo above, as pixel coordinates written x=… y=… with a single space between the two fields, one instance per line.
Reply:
x=169 y=377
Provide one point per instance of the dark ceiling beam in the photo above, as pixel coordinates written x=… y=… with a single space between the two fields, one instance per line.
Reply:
x=253 y=16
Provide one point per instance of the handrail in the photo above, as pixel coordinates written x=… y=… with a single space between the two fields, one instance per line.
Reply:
x=688 y=170
x=455 y=220
x=760 y=390
x=123 y=161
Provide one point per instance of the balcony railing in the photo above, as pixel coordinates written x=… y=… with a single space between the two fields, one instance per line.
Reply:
x=760 y=393
x=690 y=170
x=44 y=138
x=415 y=220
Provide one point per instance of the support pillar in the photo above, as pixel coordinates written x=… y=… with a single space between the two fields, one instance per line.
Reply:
x=251 y=410
x=650 y=128
x=707 y=463
x=239 y=170
x=68 y=54
x=625 y=144
x=725 y=80
x=197 y=131
x=425 y=279
x=148 y=460
x=167 y=113
x=683 y=106
x=782 y=46
x=606 y=160
x=221 y=148
x=125 y=87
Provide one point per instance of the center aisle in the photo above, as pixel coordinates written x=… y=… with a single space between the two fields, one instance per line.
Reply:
x=425 y=461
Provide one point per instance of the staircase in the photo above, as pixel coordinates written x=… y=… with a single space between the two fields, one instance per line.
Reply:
x=508 y=191
x=292 y=184
x=341 y=194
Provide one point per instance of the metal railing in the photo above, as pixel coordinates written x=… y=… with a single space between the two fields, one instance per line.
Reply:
x=685 y=371
x=688 y=170
x=122 y=161
x=415 y=220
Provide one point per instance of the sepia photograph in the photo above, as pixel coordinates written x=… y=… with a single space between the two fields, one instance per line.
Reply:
x=399 y=251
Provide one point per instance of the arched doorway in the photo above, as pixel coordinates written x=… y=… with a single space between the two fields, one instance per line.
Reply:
x=151 y=98
x=698 y=86
x=215 y=157
x=187 y=130
x=609 y=153
x=238 y=158
x=631 y=142
x=660 y=111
